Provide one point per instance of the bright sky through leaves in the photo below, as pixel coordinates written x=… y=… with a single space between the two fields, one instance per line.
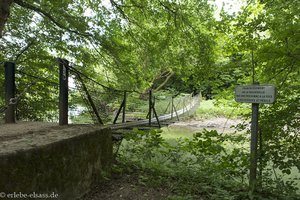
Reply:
x=230 y=6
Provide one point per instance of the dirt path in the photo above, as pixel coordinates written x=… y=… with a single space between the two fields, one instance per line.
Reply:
x=125 y=187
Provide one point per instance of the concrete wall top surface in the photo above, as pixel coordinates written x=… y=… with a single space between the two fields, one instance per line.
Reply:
x=28 y=135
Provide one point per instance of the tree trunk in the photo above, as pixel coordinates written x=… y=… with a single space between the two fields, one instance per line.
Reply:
x=165 y=82
x=4 y=13
x=167 y=76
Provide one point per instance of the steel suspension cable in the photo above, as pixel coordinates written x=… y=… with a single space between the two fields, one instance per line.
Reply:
x=98 y=83
x=38 y=78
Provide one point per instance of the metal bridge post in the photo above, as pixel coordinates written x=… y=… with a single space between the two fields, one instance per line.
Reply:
x=150 y=106
x=175 y=109
x=63 y=91
x=118 y=113
x=10 y=90
x=124 y=107
x=155 y=113
x=90 y=100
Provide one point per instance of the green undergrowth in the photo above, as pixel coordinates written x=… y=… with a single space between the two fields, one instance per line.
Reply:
x=207 y=165
x=221 y=108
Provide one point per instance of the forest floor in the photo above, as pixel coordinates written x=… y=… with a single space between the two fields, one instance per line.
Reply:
x=130 y=185
x=127 y=186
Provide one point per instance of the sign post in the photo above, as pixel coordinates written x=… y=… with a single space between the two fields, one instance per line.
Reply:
x=255 y=94
x=253 y=145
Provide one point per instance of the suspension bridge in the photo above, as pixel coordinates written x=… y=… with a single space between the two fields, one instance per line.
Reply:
x=115 y=108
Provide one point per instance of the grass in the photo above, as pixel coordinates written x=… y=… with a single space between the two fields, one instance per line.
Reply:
x=172 y=133
x=212 y=108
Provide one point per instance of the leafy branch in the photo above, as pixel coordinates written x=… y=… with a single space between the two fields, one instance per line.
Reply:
x=50 y=17
x=26 y=48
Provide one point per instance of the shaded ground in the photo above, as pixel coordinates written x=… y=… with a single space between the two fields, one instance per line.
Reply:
x=126 y=187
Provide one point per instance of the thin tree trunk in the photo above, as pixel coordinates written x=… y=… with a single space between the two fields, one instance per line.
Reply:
x=165 y=82
x=4 y=13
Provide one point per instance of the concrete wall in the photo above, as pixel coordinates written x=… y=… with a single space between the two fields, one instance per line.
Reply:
x=67 y=166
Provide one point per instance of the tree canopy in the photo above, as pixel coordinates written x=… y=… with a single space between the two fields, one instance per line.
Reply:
x=146 y=40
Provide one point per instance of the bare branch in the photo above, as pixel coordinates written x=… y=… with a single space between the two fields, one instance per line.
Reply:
x=164 y=83
x=113 y=3
x=121 y=11
x=168 y=8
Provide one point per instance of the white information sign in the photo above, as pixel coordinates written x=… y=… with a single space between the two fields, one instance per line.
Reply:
x=255 y=94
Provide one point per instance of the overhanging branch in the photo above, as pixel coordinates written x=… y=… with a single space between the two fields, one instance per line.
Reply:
x=165 y=82
x=31 y=43
x=50 y=17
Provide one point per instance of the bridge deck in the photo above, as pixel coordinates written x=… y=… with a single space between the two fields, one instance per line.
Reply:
x=189 y=108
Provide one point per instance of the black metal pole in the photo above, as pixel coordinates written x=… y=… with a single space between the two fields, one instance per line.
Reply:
x=174 y=108
x=63 y=91
x=90 y=100
x=260 y=157
x=124 y=107
x=10 y=90
x=118 y=113
x=253 y=146
x=150 y=106
x=155 y=113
